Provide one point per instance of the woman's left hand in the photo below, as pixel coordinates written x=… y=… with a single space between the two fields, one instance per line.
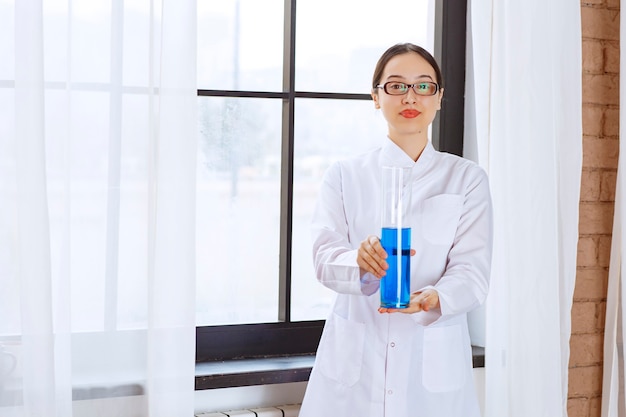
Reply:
x=420 y=301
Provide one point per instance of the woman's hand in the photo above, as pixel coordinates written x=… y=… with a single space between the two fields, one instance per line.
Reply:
x=371 y=257
x=420 y=301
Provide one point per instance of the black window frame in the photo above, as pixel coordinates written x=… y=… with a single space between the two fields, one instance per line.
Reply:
x=290 y=338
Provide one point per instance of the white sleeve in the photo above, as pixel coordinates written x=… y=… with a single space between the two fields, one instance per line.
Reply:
x=334 y=257
x=465 y=282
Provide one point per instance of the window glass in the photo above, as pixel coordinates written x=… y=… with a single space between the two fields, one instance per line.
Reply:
x=96 y=170
x=329 y=132
x=9 y=282
x=91 y=37
x=243 y=145
x=339 y=42
x=238 y=210
x=240 y=44
x=85 y=222
x=7 y=41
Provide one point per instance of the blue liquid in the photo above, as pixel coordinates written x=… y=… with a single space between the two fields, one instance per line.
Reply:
x=390 y=296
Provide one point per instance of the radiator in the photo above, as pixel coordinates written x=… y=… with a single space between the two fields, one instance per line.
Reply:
x=289 y=410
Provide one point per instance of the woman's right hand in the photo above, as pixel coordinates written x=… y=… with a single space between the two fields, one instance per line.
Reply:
x=371 y=257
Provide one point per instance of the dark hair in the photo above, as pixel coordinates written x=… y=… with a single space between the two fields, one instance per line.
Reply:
x=399 y=49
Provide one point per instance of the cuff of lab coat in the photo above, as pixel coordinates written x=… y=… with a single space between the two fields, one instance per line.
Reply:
x=369 y=284
x=344 y=276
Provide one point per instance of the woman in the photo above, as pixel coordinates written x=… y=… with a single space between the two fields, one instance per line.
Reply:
x=416 y=361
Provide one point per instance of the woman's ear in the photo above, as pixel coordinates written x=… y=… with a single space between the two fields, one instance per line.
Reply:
x=375 y=98
x=439 y=100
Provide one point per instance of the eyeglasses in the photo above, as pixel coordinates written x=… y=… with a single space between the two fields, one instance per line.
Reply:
x=396 y=88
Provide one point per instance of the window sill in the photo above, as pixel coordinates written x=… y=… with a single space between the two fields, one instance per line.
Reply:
x=247 y=372
x=11 y=396
x=214 y=375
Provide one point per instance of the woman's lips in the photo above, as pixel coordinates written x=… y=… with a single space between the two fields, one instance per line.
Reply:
x=409 y=113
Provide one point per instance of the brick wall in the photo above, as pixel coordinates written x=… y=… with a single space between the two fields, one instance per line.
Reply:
x=600 y=80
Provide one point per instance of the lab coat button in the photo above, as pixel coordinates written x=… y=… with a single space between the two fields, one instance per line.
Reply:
x=393 y=344
x=390 y=392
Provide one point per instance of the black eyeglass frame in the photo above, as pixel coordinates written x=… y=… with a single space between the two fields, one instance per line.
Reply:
x=409 y=86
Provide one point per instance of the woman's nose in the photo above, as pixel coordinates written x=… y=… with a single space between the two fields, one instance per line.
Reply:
x=410 y=97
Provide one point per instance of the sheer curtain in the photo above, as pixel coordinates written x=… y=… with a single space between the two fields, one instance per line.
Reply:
x=614 y=373
x=97 y=207
x=525 y=127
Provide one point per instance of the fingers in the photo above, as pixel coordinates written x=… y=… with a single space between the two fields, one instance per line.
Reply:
x=377 y=246
x=430 y=300
x=425 y=301
x=371 y=257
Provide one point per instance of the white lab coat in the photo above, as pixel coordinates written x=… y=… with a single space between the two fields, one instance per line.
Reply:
x=395 y=365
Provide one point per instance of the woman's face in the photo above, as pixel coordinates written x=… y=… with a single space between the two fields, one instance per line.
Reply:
x=408 y=114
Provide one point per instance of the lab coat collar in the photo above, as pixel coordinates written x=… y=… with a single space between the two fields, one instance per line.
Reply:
x=393 y=155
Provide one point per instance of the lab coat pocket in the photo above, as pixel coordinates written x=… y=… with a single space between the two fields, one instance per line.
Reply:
x=340 y=353
x=443 y=363
x=440 y=217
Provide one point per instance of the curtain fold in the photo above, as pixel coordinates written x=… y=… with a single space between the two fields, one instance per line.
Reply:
x=614 y=372
x=525 y=128
x=613 y=386
x=97 y=207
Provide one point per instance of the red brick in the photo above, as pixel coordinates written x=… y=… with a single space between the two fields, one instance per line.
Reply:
x=611 y=57
x=608 y=182
x=593 y=119
x=610 y=120
x=613 y=4
x=595 y=218
x=591 y=284
x=587 y=251
x=593 y=56
x=590 y=185
x=604 y=251
x=585 y=381
x=601 y=88
x=578 y=407
x=586 y=349
x=601 y=315
x=600 y=153
x=584 y=317
x=595 y=406
x=599 y=23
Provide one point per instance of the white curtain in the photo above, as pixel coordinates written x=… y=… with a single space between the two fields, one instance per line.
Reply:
x=613 y=384
x=524 y=125
x=97 y=207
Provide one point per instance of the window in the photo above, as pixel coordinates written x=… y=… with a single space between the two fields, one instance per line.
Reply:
x=284 y=91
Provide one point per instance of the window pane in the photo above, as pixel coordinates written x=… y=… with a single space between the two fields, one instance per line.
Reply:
x=342 y=56
x=7 y=40
x=91 y=36
x=238 y=210
x=316 y=146
x=240 y=45
x=9 y=274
